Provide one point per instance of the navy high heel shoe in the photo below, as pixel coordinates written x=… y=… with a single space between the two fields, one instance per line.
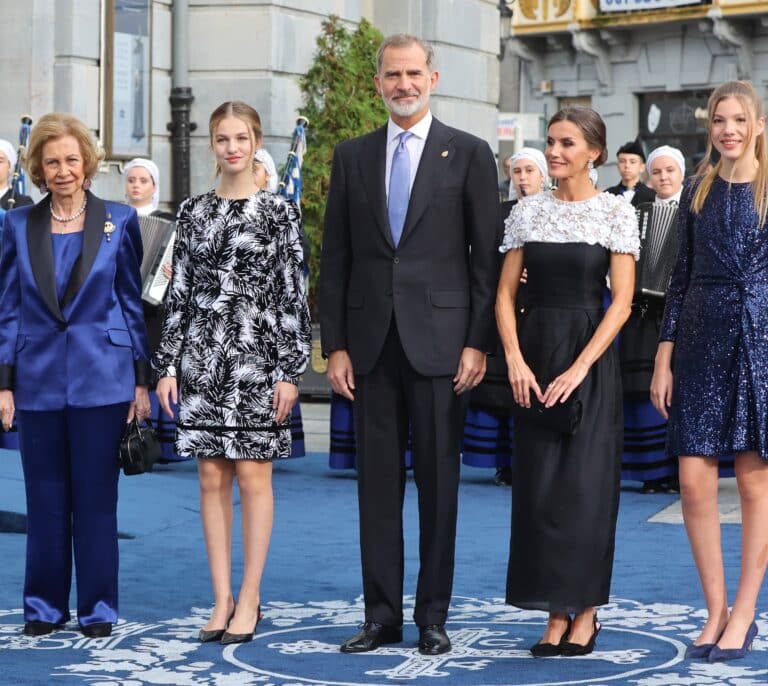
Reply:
x=701 y=651
x=718 y=654
x=694 y=652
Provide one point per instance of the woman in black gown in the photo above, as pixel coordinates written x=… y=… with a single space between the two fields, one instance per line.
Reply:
x=566 y=487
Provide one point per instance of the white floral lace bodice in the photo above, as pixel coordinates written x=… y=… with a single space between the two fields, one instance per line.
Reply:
x=605 y=219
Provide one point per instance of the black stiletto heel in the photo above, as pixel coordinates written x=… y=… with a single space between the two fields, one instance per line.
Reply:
x=551 y=649
x=211 y=635
x=573 y=649
x=227 y=638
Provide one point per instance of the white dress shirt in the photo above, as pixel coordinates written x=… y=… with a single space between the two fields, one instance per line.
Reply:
x=675 y=197
x=414 y=145
x=628 y=194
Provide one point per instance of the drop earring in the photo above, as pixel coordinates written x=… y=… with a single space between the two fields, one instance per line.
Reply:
x=86 y=184
x=592 y=173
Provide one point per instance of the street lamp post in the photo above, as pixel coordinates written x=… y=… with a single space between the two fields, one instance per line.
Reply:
x=181 y=99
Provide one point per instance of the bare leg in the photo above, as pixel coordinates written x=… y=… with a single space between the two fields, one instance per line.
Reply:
x=752 y=479
x=556 y=627
x=583 y=627
x=254 y=479
x=216 y=512
x=698 y=492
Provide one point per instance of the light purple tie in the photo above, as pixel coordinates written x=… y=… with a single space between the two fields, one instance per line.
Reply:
x=399 y=187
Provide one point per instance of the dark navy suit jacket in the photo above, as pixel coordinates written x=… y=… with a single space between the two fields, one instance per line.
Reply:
x=90 y=349
x=441 y=298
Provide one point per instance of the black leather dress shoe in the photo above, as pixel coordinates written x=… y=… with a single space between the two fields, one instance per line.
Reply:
x=36 y=628
x=97 y=630
x=371 y=636
x=433 y=640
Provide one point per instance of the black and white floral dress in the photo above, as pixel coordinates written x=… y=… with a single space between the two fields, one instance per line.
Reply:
x=236 y=323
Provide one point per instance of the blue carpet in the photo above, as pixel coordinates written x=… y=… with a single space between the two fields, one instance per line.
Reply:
x=311 y=597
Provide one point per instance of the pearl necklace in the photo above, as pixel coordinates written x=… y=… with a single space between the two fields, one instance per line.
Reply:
x=71 y=217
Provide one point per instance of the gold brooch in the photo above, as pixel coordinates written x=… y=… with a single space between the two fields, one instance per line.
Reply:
x=109 y=229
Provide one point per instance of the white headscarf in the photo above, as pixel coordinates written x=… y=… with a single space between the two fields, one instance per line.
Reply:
x=537 y=157
x=667 y=151
x=10 y=152
x=265 y=158
x=154 y=172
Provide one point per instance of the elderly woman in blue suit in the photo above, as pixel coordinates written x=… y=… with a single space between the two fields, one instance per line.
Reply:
x=73 y=368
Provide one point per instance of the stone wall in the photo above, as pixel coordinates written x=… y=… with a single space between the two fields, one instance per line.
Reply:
x=254 y=50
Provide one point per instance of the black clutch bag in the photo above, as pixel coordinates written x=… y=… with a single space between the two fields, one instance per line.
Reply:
x=563 y=418
x=139 y=448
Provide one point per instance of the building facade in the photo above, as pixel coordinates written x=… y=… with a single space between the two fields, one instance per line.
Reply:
x=111 y=63
x=648 y=66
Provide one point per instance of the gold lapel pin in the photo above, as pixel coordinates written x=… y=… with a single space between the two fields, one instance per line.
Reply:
x=444 y=153
x=109 y=228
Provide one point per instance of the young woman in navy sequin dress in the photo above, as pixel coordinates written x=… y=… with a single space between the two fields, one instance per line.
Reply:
x=715 y=392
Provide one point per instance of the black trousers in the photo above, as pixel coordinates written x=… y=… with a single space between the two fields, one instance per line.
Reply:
x=392 y=397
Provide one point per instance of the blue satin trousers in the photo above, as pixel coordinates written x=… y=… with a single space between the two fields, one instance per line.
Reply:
x=70 y=461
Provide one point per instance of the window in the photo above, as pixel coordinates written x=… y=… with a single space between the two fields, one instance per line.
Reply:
x=677 y=119
x=128 y=79
x=585 y=100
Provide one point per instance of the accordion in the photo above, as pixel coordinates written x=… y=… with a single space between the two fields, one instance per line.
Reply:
x=658 y=248
x=157 y=237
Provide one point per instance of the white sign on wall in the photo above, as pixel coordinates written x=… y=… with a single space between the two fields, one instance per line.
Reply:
x=634 y=5
x=519 y=126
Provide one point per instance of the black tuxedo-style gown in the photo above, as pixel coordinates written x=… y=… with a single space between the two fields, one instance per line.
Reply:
x=566 y=487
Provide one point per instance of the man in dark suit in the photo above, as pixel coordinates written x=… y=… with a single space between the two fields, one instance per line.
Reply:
x=407 y=289
x=630 y=159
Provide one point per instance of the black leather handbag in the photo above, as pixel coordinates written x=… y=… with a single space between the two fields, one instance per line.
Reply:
x=139 y=448
x=563 y=418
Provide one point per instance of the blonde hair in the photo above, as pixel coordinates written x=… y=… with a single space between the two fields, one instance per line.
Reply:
x=57 y=125
x=745 y=93
x=242 y=111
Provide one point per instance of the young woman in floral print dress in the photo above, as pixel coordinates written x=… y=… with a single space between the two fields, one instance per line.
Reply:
x=235 y=340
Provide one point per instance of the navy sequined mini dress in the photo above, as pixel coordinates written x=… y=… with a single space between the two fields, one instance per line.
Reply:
x=717 y=316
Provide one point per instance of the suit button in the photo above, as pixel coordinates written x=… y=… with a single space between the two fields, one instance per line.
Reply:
x=396 y=260
x=62 y=326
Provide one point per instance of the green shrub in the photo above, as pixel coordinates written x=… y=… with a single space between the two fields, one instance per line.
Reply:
x=340 y=102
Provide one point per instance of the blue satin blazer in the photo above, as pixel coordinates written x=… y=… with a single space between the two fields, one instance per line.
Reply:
x=90 y=349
